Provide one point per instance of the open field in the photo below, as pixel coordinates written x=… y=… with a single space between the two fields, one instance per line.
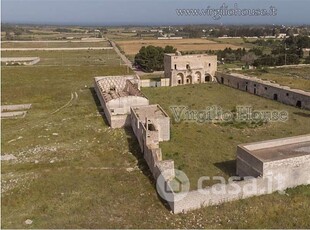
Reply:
x=236 y=41
x=131 y=47
x=72 y=171
x=49 y=36
x=297 y=77
x=122 y=36
x=76 y=57
x=210 y=149
x=58 y=44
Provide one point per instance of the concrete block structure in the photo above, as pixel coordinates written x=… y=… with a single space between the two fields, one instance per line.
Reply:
x=14 y=111
x=189 y=69
x=20 y=60
x=151 y=125
x=117 y=94
x=288 y=157
x=273 y=91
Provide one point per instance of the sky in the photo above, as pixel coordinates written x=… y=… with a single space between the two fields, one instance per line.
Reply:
x=148 y=12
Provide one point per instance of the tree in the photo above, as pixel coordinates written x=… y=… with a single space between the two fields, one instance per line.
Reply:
x=249 y=58
x=151 y=58
x=256 y=51
x=307 y=60
x=169 y=49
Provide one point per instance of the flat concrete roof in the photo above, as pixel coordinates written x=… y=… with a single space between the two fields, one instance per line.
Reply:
x=149 y=111
x=189 y=55
x=279 y=149
x=282 y=152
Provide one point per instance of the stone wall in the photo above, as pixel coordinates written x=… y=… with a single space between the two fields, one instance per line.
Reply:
x=189 y=69
x=279 y=171
x=5 y=108
x=221 y=193
x=116 y=94
x=148 y=139
x=294 y=175
x=20 y=60
x=253 y=85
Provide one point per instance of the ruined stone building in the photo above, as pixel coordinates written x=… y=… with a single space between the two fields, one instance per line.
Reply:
x=117 y=94
x=125 y=105
x=189 y=69
x=151 y=125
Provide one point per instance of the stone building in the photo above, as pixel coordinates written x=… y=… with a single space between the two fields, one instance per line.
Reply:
x=117 y=94
x=151 y=125
x=273 y=91
x=306 y=52
x=189 y=69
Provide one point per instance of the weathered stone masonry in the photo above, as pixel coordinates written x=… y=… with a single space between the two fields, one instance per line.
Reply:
x=125 y=105
x=189 y=69
x=117 y=94
x=253 y=85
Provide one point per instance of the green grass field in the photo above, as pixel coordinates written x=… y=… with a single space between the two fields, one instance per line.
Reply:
x=65 y=44
x=69 y=58
x=236 y=41
x=206 y=149
x=73 y=171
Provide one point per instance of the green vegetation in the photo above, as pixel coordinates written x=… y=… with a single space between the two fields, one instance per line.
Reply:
x=69 y=58
x=286 y=52
x=209 y=149
x=57 y=44
x=151 y=58
x=73 y=171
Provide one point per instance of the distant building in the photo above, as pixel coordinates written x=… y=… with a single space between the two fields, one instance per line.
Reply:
x=282 y=35
x=189 y=69
x=306 y=52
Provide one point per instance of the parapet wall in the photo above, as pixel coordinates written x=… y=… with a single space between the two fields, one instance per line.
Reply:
x=147 y=130
x=253 y=85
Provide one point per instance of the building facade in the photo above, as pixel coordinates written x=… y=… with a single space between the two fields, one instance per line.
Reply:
x=190 y=69
x=266 y=89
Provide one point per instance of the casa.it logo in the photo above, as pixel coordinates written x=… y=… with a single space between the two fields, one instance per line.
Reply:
x=174 y=189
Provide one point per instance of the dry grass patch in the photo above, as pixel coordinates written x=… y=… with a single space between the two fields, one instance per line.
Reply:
x=133 y=46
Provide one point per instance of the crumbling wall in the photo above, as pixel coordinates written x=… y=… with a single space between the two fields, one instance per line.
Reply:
x=149 y=144
x=116 y=94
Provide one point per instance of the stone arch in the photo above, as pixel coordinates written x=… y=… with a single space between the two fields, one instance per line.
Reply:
x=180 y=79
x=188 y=79
x=198 y=77
x=208 y=77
